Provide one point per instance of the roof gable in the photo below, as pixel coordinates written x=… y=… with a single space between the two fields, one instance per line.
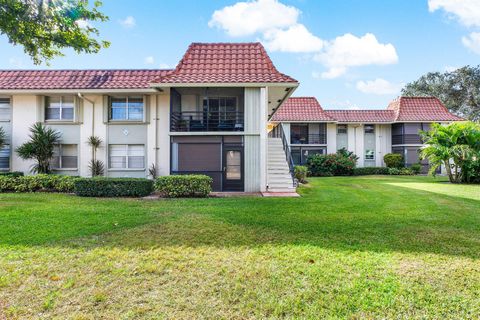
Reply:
x=421 y=109
x=225 y=63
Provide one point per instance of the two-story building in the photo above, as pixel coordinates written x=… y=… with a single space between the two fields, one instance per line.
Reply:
x=370 y=134
x=209 y=115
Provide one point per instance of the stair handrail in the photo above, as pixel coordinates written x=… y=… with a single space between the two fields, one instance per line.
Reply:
x=279 y=132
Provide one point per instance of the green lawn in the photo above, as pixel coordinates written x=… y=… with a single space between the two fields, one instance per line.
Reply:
x=362 y=247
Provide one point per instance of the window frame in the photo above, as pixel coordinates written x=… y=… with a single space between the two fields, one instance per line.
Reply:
x=343 y=126
x=126 y=156
x=127 y=108
x=367 y=126
x=60 y=157
x=61 y=107
x=9 y=158
x=9 y=108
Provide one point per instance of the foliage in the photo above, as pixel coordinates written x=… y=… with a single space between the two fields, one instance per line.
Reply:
x=37 y=183
x=457 y=147
x=11 y=174
x=348 y=154
x=3 y=137
x=113 y=187
x=152 y=171
x=400 y=172
x=181 y=186
x=96 y=167
x=459 y=90
x=365 y=171
x=393 y=160
x=301 y=173
x=416 y=168
x=40 y=147
x=320 y=165
x=45 y=28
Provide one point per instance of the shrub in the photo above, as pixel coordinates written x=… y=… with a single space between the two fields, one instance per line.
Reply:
x=370 y=171
x=348 y=154
x=301 y=173
x=321 y=165
x=416 y=168
x=393 y=160
x=400 y=172
x=113 y=187
x=37 y=183
x=184 y=186
x=11 y=174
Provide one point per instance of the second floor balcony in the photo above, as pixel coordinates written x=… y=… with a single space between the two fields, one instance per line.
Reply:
x=311 y=138
x=191 y=121
x=406 y=139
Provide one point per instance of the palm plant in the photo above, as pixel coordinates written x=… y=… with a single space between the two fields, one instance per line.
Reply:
x=40 y=147
x=96 y=167
x=456 y=146
x=3 y=138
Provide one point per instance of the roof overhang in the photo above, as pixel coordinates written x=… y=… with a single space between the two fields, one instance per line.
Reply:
x=75 y=91
x=226 y=84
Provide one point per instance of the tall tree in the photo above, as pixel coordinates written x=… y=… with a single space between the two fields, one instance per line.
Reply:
x=45 y=27
x=459 y=90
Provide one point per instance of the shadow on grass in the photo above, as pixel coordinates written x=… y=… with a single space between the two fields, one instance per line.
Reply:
x=369 y=214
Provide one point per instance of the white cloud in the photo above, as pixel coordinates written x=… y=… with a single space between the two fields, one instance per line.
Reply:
x=466 y=11
x=149 y=60
x=16 y=63
x=351 y=51
x=128 y=22
x=83 y=24
x=296 y=38
x=472 y=42
x=164 y=66
x=379 y=86
x=450 y=68
x=248 y=18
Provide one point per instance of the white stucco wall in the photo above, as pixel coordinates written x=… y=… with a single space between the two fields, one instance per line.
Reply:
x=24 y=115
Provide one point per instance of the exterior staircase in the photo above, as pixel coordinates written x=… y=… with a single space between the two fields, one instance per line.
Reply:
x=279 y=178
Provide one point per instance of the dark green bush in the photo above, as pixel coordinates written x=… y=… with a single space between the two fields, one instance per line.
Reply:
x=301 y=173
x=178 y=186
x=11 y=174
x=400 y=172
x=113 y=187
x=394 y=160
x=416 y=168
x=370 y=171
x=37 y=183
x=329 y=165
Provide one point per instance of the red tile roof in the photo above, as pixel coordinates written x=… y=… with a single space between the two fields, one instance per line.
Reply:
x=365 y=116
x=301 y=109
x=78 y=79
x=225 y=63
x=421 y=109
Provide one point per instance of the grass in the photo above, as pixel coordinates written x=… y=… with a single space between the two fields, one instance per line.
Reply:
x=363 y=247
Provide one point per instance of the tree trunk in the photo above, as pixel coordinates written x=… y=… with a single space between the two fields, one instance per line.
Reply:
x=449 y=171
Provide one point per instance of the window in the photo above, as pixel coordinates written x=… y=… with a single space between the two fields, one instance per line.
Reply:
x=59 y=108
x=369 y=154
x=127 y=156
x=5 y=157
x=369 y=128
x=222 y=113
x=4 y=109
x=126 y=108
x=342 y=129
x=65 y=156
x=299 y=133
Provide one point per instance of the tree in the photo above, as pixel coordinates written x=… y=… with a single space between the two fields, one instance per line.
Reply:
x=459 y=90
x=96 y=167
x=3 y=138
x=457 y=147
x=40 y=147
x=45 y=27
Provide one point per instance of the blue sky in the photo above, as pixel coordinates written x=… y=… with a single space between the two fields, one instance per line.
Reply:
x=348 y=54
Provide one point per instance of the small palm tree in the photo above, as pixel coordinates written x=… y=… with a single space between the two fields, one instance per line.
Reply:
x=40 y=147
x=3 y=138
x=96 y=167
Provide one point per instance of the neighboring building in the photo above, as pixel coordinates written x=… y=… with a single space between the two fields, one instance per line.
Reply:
x=368 y=133
x=209 y=115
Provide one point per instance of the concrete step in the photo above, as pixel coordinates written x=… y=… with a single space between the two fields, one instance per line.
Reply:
x=271 y=189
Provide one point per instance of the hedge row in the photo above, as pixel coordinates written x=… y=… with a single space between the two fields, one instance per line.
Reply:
x=370 y=171
x=37 y=183
x=11 y=174
x=184 y=186
x=113 y=187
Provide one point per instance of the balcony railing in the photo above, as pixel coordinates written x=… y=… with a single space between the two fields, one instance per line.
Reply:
x=314 y=138
x=406 y=139
x=206 y=121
